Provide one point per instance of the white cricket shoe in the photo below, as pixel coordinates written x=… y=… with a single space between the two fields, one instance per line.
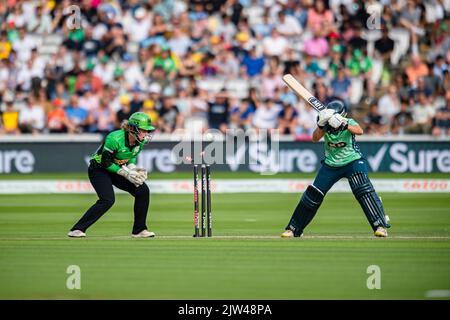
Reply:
x=381 y=232
x=144 y=234
x=76 y=234
x=289 y=234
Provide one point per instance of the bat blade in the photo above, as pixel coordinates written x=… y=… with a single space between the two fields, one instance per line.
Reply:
x=302 y=92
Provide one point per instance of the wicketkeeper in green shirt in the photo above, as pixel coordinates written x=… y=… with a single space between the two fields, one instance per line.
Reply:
x=114 y=164
x=342 y=159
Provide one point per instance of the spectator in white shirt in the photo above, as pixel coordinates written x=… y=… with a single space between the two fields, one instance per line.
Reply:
x=37 y=71
x=104 y=70
x=24 y=76
x=227 y=64
x=275 y=45
x=133 y=73
x=28 y=7
x=389 y=104
x=439 y=67
x=254 y=12
x=88 y=100
x=423 y=113
x=264 y=28
x=23 y=45
x=306 y=122
x=40 y=23
x=288 y=26
x=266 y=115
x=139 y=27
x=179 y=43
x=31 y=117
x=38 y=65
x=196 y=116
x=226 y=29
x=99 y=30
x=17 y=16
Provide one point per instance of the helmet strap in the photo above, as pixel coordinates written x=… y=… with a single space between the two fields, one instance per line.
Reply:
x=135 y=132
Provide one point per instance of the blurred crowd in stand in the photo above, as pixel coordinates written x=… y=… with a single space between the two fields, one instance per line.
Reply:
x=85 y=66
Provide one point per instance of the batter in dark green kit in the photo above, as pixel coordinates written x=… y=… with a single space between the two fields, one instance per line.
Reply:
x=114 y=164
x=342 y=159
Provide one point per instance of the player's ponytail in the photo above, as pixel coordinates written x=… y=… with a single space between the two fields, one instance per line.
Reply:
x=125 y=126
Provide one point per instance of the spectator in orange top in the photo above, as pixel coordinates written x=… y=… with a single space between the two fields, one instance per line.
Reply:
x=416 y=70
x=88 y=77
x=56 y=118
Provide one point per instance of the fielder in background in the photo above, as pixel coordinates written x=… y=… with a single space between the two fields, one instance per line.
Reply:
x=114 y=164
x=342 y=159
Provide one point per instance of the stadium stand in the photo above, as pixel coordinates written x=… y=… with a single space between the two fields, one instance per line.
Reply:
x=82 y=66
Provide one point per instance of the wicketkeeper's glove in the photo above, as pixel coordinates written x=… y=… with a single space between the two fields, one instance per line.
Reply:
x=141 y=171
x=133 y=176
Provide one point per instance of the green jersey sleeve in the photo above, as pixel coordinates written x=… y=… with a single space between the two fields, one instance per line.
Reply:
x=111 y=144
x=110 y=147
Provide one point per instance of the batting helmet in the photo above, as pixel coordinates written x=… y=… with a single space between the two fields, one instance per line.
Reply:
x=338 y=107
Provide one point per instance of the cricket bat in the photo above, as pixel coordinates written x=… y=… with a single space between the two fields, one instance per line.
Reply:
x=302 y=92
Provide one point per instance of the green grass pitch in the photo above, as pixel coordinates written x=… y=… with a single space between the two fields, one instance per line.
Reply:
x=245 y=259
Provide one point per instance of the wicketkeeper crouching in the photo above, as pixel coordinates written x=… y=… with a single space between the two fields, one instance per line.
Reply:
x=114 y=164
x=342 y=159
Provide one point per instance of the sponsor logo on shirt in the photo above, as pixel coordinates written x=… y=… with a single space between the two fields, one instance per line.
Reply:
x=337 y=145
x=121 y=162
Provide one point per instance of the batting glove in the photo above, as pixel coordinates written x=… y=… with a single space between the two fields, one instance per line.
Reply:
x=336 y=121
x=323 y=117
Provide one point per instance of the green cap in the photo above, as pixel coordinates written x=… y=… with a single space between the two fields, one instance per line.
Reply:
x=90 y=65
x=337 y=48
x=104 y=59
x=141 y=120
x=118 y=72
